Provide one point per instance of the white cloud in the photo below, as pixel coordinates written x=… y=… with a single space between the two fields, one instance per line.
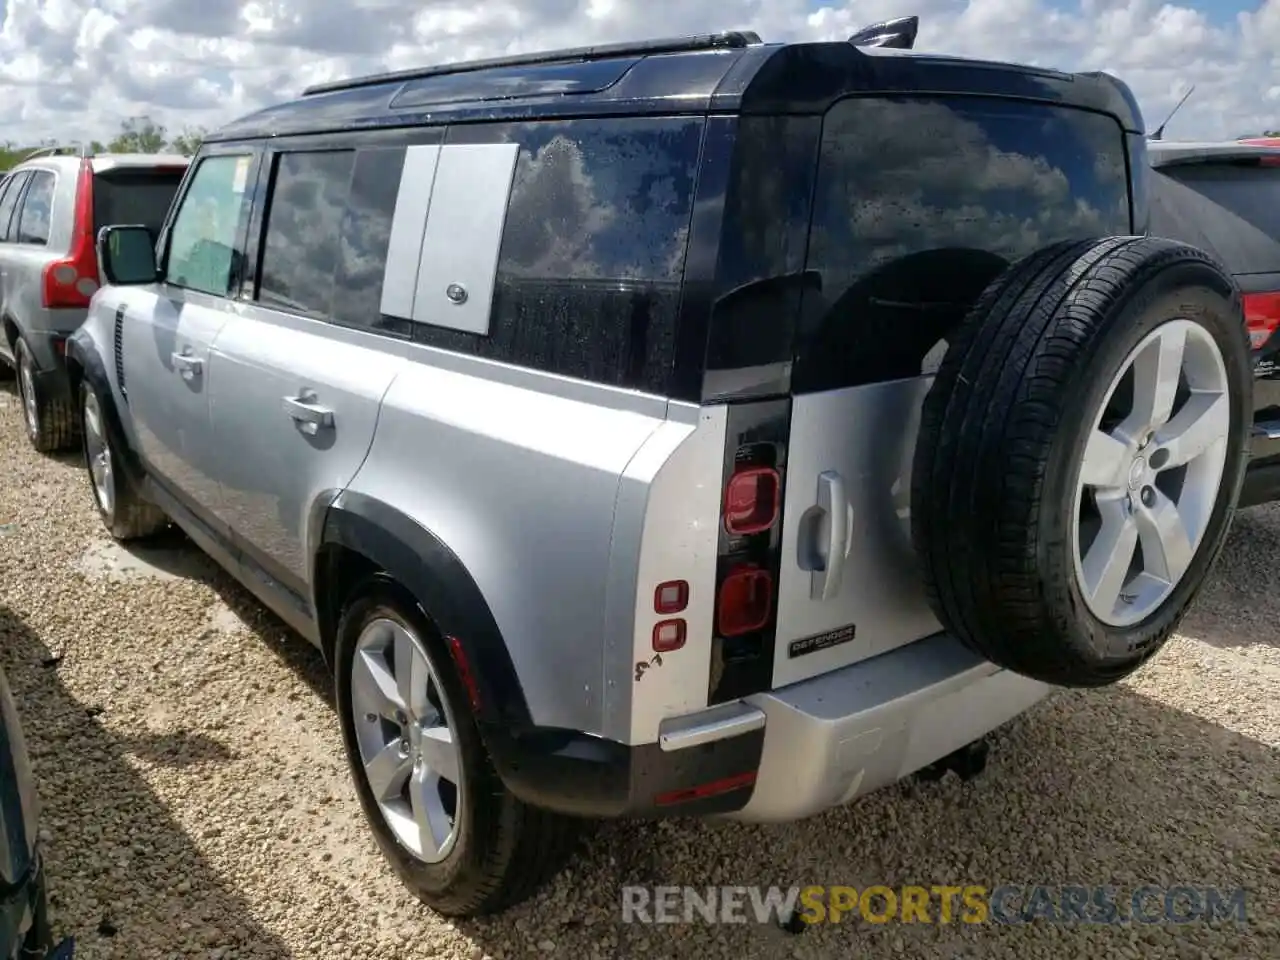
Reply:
x=73 y=69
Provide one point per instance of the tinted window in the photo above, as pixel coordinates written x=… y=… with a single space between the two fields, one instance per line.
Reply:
x=204 y=243
x=304 y=221
x=592 y=251
x=363 y=239
x=37 y=208
x=1232 y=211
x=134 y=197
x=9 y=201
x=921 y=202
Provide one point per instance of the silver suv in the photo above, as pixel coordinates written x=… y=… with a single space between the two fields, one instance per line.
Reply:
x=684 y=427
x=51 y=207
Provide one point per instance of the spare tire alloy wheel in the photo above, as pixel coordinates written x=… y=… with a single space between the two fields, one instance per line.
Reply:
x=1149 y=480
x=403 y=728
x=1080 y=455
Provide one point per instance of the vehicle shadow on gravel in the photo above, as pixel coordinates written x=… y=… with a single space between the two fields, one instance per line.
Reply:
x=1089 y=788
x=174 y=554
x=122 y=871
x=1234 y=608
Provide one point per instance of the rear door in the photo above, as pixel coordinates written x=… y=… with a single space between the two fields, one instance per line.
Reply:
x=920 y=202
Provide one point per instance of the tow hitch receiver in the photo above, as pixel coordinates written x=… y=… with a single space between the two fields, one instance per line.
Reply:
x=967 y=762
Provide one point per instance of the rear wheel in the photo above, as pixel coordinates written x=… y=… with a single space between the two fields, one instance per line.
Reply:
x=50 y=419
x=1080 y=455
x=124 y=512
x=437 y=808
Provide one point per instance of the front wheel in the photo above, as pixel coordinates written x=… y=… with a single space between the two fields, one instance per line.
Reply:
x=124 y=512
x=428 y=789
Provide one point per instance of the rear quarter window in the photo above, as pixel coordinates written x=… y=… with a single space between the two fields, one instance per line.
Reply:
x=592 y=250
x=920 y=202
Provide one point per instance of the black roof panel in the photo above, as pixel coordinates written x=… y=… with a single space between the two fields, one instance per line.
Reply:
x=730 y=73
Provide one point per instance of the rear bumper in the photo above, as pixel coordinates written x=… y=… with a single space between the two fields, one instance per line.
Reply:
x=835 y=737
x=778 y=756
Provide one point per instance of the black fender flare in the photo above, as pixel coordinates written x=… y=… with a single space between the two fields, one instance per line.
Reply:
x=420 y=562
x=84 y=363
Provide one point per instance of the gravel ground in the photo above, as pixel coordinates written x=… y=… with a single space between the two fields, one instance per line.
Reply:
x=197 y=804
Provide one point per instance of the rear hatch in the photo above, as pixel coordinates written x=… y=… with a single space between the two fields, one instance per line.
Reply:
x=920 y=202
x=135 y=194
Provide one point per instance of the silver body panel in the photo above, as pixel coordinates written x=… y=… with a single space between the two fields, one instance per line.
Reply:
x=566 y=502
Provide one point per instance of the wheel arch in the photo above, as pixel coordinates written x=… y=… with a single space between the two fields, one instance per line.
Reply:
x=360 y=535
x=85 y=365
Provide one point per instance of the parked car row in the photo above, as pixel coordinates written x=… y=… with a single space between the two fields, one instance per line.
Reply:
x=51 y=208
x=697 y=426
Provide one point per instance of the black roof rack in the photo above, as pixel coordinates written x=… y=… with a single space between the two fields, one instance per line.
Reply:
x=709 y=41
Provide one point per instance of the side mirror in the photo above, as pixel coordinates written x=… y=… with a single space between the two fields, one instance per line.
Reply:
x=127 y=255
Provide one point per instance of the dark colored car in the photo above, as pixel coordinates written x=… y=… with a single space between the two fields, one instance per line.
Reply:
x=1225 y=199
x=24 y=922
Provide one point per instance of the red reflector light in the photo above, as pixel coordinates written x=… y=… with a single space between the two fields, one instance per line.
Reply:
x=670 y=597
x=1261 y=317
x=668 y=635
x=703 y=790
x=464 y=671
x=745 y=602
x=751 y=500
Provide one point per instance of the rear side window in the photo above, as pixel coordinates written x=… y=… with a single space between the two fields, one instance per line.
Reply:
x=1230 y=210
x=37 y=209
x=592 y=250
x=300 y=248
x=9 y=229
x=125 y=196
x=920 y=202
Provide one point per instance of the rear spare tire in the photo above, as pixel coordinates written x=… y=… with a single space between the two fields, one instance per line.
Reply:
x=1080 y=455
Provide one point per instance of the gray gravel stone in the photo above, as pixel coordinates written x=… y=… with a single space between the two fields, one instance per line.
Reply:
x=206 y=811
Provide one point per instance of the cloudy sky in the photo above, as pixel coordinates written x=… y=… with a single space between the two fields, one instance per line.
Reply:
x=74 y=68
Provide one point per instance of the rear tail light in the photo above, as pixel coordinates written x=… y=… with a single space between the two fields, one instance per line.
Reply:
x=72 y=281
x=1261 y=317
x=747 y=567
x=746 y=600
x=752 y=501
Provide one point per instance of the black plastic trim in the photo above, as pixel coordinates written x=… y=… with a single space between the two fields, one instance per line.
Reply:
x=420 y=562
x=585 y=776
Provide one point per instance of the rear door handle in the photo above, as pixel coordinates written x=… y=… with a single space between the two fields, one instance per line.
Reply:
x=304 y=410
x=825 y=581
x=187 y=365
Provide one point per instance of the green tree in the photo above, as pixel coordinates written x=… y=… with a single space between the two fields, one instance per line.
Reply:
x=138 y=135
x=187 y=142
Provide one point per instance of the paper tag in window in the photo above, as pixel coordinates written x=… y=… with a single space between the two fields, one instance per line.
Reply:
x=241 y=177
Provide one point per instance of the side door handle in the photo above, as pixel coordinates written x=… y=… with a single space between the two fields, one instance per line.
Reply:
x=188 y=366
x=304 y=411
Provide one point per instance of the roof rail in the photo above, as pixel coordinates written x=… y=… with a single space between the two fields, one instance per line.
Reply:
x=711 y=41
x=79 y=150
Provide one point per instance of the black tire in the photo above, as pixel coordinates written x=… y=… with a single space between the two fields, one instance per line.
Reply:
x=506 y=849
x=130 y=516
x=56 y=423
x=1003 y=429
